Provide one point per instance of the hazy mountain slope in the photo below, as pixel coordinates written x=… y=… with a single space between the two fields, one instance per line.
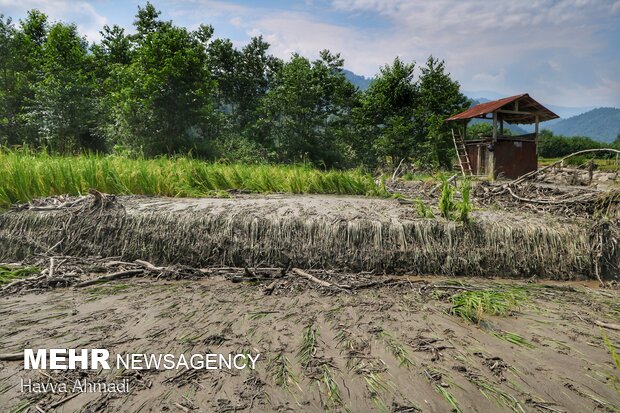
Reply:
x=602 y=124
x=360 y=81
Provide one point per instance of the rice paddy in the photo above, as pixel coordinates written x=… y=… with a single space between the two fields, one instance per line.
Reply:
x=25 y=176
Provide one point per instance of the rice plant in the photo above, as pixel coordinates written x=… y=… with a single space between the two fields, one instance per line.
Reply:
x=450 y=208
x=447 y=205
x=464 y=207
x=376 y=386
x=434 y=376
x=398 y=349
x=448 y=397
x=514 y=338
x=472 y=306
x=615 y=378
x=282 y=372
x=25 y=175
x=501 y=397
x=423 y=210
x=334 y=397
x=12 y=273
x=308 y=345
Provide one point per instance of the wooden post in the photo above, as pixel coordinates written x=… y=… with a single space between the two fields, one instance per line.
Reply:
x=491 y=170
x=501 y=126
x=536 y=138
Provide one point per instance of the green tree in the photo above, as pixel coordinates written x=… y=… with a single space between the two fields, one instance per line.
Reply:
x=62 y=110
x=20 y=62
x=385 y=115
x=162 y=104
x=306 y=113
x=438 y=97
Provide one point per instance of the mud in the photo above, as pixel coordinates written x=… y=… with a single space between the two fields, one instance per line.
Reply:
x=389 y=347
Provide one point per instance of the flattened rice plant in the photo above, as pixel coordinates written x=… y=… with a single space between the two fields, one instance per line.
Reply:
x=472 y=306
x=10 y=273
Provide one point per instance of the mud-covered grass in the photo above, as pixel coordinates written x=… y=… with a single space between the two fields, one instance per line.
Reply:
x=10 y=273
x=25 y=176
x=390 y=348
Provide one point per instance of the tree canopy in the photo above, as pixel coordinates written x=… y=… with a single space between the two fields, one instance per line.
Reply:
x=165 y=90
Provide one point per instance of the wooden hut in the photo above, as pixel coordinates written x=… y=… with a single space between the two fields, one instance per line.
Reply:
x=500 y=155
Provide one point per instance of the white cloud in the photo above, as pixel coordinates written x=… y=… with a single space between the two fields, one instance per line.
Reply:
x=82 y=13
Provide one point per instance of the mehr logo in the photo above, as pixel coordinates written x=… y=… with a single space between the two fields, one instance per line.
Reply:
x=58 y=360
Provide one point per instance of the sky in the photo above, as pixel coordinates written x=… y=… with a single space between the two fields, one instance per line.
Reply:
x=562 y=52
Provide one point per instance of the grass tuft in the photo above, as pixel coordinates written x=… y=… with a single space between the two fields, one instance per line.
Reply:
x=282 y=372
x=11 y=273
x=514 y=338
x=472 y=306
x=615 y=378
x=308 y=345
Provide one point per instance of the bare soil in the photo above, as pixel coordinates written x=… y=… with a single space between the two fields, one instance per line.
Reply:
x=390 y=346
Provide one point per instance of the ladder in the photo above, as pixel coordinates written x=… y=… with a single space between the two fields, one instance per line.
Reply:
x=461 y=152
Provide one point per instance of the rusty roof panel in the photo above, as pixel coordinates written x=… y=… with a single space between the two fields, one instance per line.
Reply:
x=524 y=99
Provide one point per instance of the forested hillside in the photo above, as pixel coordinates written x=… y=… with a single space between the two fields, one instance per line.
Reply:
x=166 y=90
x=602 y=124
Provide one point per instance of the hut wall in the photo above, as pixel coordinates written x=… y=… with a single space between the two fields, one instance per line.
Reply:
x=514 y=157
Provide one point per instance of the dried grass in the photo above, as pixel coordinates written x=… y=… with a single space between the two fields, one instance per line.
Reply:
x=483 y=247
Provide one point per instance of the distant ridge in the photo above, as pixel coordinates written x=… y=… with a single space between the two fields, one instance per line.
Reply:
x=360 y=81
x=602 y=124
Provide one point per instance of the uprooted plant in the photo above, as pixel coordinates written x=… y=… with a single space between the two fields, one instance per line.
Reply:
x=472 y=306
x=9 y=273
x=615 y=378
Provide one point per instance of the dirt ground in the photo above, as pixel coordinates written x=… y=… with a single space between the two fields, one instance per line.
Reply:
x=389 y=345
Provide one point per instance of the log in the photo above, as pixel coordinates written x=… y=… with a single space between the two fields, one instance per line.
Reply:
x=12 y=357
x=110 y=277
x=149 y=265
x=610 y=326
x=311 y=277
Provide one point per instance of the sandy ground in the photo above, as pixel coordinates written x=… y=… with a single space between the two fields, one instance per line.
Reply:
x=332 y=207
x=389 y=347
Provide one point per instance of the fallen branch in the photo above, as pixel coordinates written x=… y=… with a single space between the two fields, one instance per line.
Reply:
x=12 y=357
x=311 y=277
x=530 y=174
x=610 y=326
x=149 y=265
x=110 y=277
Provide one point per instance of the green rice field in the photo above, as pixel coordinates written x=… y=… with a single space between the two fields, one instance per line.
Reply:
x=25 y=176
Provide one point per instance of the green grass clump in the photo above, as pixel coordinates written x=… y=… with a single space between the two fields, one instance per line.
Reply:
x=514 y=338
x=423 y=210
x=10 y=273
x=615 y=378
x=501 y=397
x=25 y=175
x=282 y=372
x=450 y=208
x=472 y=306
x=308 y=345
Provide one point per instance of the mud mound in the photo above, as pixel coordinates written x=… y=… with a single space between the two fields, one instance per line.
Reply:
x=327 y=232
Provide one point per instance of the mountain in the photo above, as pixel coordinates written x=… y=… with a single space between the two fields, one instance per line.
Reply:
x=602 y=124
x=360 y=81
